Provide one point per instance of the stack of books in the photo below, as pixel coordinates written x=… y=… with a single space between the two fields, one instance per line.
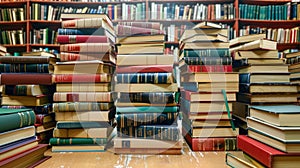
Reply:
x=293 y=60
x=208 y=88
x=84 y=98
x=147 y=109
x=264 y=78
x=28 y=83
x=18 y=141
x=273 y=138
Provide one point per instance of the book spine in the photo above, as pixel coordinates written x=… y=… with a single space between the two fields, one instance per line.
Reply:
x=24 y=59
x=208 y=60
x=70 y=78
x=144 y=69
x=209 y=68
x=244 y=88
x=123 y=30
x=81 y=106
x=24 y=79
x=45 y=109
x=17 y=68
x=16 y=120
x=153 y=25
x=149 y=97
x=77 y=141
x=64 y=39
x=155 y=78
x=68 y=56
x=137 y=119
x=83 y=23
x=150 y=109
x=81 y=124
x=84 y=96
x=87 y=31
x=244 y=78
x=159 y=132
x=207 y=52
x=86 y=47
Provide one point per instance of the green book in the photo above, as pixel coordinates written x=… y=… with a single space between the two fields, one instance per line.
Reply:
x=77 y=141
x=11 y=119
x=147 y=109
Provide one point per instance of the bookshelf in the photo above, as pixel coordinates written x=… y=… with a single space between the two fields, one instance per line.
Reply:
x=177 y=19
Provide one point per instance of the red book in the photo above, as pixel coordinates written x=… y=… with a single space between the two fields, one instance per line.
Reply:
x=206 y=68
x=81 y=78
x=144 y=69
x=26 y=79
x=267 y=155
x=150 y=25
x=64 y=39
x=211 y=144
x=123 y=30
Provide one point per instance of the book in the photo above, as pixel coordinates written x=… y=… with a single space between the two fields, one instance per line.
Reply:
x=264 y=77
x=218 y=52
x=78 y=148
x=49 y=126
x=263 y=68
x=44 y=109
x=127 y=60
x=140 y=38
x=27 y=90
x=85 y=31
x=83 y=87
x=83 y=67
x=86 y=47
x=205 y=45
x=129 y=143
x=44 y=118
x=83 y=96
x=28 y=59
x=250 y=61
x=154 y=78
x=131 y=88
x=148 y=151
x=205 y=132
x=206 y=115
x=150 y=48
x=82 y=124
x=77 y=141
x=257 y=44
x=246 y=39
x=82 y=133
x=192 y=32
x=148 y=109
x=207 y=25
x=238 y=159
x=205 y=68
x=205 y=38
x=26 y=158
x=106 y=115
x=267 y=88
x=151 y=25
x=292 y=54
x=65 y=39
x=81 y=78
x=280 y=132
x=255 y=54
x=38 y=53
x=25 y=100
x=81 y=106
x=16 y=134
x=280 y=115
x=108 y=57
x=205 y=60
x=211 y=144
x=144 y=68
x=205 y=122
x=153 y=98
x=266 y=97
x=197 y=107
x=265 y=154
x=26 y=68
x=202 y=97
x=124 y=30
x=210 y=77
x=26 y=79
x=72 y=16
x=211 y=87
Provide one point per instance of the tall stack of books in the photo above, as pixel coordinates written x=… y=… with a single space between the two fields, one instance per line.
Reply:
x=84 y=98
x=208 y=88
x=264 y=78
x=18 y=140
x=28 y=83
x=293 y=60
x=147 y=109
x=273 y=138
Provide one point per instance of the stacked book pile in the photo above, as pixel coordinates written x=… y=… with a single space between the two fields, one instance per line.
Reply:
x=147 y=109
x=84 y=98
x=264 y=78
x=27 y=83
x=18 y=140
x=273 y=138
x=208 y=88
x=293 y=60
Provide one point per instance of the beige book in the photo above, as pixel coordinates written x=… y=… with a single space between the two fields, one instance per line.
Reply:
x=82 y=133
x=197 y=107
x=24 y=100
x=145 y=143
x=83 y=87
x=192 y=32
x=17 y=134
x=130 y=88
x=213 y=132
x=84 y=96
x=125 y=60
x=264 y=68
x=212 y=87
x=141 y=48
x=257 y=44
x=208 y=116
x=256 y=54
x=246 y=39
x=238 y=159
x=205 y=45
x=83 y=116
x=210 y=77
x=68 y=16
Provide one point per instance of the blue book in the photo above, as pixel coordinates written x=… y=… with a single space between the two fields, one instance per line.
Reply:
x=155 y=78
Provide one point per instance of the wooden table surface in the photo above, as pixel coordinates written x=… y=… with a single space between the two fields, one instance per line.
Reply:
x=108 y=159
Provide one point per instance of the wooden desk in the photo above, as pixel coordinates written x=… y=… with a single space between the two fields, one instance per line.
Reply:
x=108 y=159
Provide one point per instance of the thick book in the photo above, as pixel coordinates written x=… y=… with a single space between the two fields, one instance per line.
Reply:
x=251 y=98
x=81 y=106
x=264 y=77
x=148 y=109
x=255 y=54
x=83 y=67
x=83 y=87
x=257 y=44
x=82 y=133
x=72 y=16
x=158 y=132
x=77 y=141
x=26 y=100
x=205 y=45
x=16 y=134
x=128 y=143
x=11 y=119
x=144 y=68
x=26 y=68
x=108 y=57
x=197 y=107
x=44 y=118
x=199 y=96
x=211 y=87
x=85 y=31
x=246 y=39
x=141 y=118
x=124 y=30
x=292 y=54
x=141 y=48
x=210 y=132
x=28 y=59
x=260 y=61
x=81 y=78
x=185 y=68
x=264 y=68
x=280 y=132
x=84 y=96
x=211 y=144
x=67 y=39
x=99 y=116
x=267 y=155
x=260 y=88
x=86 y=47
x=205 y=122
x=151 y=25
x=147 y=97
x=140 y=38
x=206 y=60
x=280 y=115
x=146 y=87
x=26 y=79
x=207 y=25
x=78 y=148
x=81 y=125
x=128 y=60
x=192 y=32
x=219 y=52
x=239 y=159
x=154 y=78
x=206 y=115
x=27 y=90
x=44 y=109
x=210 y=77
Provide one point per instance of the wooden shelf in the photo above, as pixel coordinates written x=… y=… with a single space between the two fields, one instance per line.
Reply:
x=264 y=2
x=285 y=46
x=5 y=23
x=45 y=45
x=229 y=21
x=270 y=23
x=193 y=1
x=84 y=3
x=14 y=45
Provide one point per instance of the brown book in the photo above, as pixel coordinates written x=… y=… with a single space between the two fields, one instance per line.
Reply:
x=125 y=60
x=83 y=67
x=105 y=57
x=82 y=133
x=28 y=59
x=83 y=87
x=210 y=77
x=84 y=96
x=131 y=88
x=86 y=47
x=246 y=39
x=16 y=134
x=82 y=78
x=85 y=116
x=26 y=79
x=39 y=53
x=240 y=109
x=256 y=54
x=25 y=100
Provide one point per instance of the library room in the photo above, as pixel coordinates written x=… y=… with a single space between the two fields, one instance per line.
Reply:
x=150 y=83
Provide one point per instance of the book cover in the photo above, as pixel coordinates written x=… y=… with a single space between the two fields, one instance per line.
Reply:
x=154 y=78
x=26 y=79
x=82 y=78
x=81 y=106
x=144 y=68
